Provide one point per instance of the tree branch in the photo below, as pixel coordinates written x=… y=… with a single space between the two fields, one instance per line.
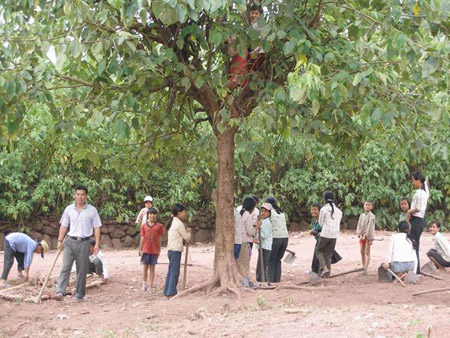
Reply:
x=316 y=17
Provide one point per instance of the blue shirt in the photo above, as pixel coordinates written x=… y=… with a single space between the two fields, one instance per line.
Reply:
x=266 y=234
x=20 y=242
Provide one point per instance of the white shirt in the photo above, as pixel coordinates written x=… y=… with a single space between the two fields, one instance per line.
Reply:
x=401 y=249
x=330 y=226
x=102 y=259
x=176 y=234
x=419 y=202
x=442 y=246
x=245 y=224
x=82 y=223
x=279 y=228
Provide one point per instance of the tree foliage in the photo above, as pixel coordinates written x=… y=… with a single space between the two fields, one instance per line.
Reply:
x=361 y=87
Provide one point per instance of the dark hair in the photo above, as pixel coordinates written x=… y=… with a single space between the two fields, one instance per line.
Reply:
x=176 y=209
x=435 y=222
x=92 y=242
x=407 y=200
x=256 y=198
x=255 y=7
x=328 y=198
x=273 y=201
x=417 y=175
x=152 y=211
x=403 y=227
x=315 y=205
x=247 y=205
x=369 y=201
x=81 y=187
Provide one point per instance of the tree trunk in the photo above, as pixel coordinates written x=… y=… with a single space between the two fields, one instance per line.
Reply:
x=226 y=274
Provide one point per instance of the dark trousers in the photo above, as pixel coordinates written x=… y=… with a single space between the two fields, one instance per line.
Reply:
x=315 y=262
x=96 y=266
x=266 y=255
x=324 y=251
x=433 y=253
x=417 y=225
x=279 y=246
x=77 y=251
x=170 y=287
x=8 y=260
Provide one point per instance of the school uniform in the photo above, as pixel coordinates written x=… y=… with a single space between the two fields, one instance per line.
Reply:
x=330 y=231
x=417 y=222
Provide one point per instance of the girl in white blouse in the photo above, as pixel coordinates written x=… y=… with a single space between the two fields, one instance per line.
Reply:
x=417 y=212
x=402 y=251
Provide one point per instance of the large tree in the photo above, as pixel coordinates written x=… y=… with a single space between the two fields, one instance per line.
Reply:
x=329 y=65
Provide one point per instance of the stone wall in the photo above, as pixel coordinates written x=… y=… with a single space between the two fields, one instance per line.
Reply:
x=124 y=235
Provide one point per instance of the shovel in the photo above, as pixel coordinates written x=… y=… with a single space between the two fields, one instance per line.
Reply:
x=37 y=299
x=428 y=268
x=290 y=258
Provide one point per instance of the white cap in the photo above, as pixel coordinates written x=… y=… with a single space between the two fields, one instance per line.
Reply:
x=148 y=199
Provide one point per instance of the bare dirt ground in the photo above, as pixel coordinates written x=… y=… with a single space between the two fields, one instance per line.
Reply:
x=347 y=306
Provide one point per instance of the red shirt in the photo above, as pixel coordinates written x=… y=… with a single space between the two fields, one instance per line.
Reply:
x=150 y=235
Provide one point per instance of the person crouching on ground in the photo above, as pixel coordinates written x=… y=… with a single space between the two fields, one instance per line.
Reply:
x=440 y=255
x=365 y=231
x=151 y=233
x=402 y=256
x=177 y=232
x=20 y=246
x=98 y=263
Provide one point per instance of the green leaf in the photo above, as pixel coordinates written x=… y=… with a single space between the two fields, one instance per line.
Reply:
x=10 y=87
x=357 y=79
x=315 y=107
x=429 y=67
x=101 y=66
x=289 y=47
x=60 y=60
x=376 y=115
x=97 y=48
x=121 y=128
x=186 y=83
x=165 y=13
x=76 y=48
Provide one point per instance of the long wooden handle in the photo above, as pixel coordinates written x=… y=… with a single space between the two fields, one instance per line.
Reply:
x=397 y=277
x=261 y=258
x=185 y=265
x=48 y=276
x=291 y=252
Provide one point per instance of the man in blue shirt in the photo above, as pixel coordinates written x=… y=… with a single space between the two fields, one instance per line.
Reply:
x=21 y=247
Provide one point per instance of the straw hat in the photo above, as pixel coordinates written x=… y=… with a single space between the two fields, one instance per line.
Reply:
x=44 y=247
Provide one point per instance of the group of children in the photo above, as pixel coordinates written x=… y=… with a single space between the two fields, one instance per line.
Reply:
x=403 y=255
x=267 y=228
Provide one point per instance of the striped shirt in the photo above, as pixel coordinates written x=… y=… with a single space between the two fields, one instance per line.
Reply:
x=419 y=202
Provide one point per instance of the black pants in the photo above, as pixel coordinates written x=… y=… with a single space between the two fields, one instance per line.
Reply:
x=279 y=246
x=266 y=255
x=96 y=266
x=433 y=253
x=324 y=251
x=417 y=225
x=315 y=262
x=8 y=260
